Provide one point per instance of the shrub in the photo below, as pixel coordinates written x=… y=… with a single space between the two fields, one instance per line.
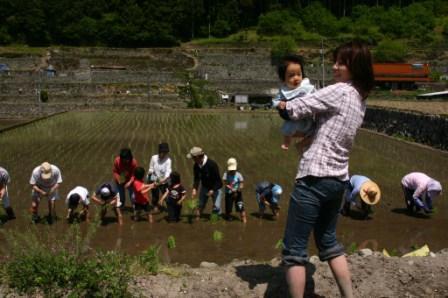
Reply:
x=43 y=96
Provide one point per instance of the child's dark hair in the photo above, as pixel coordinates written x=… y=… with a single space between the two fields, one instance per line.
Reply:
x=356 y=56
x=286 y=60
x=73 y=200
x=139 y=173
x=126 y=154
x=174 y=178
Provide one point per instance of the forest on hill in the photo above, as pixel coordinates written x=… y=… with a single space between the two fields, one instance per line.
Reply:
x=161 y=23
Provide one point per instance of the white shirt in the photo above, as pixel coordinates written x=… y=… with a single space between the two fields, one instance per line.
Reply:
x=82 y=192
x=159 y=169
x=37 y=180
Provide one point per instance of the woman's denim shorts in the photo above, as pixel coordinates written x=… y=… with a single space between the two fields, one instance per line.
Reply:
x=314 y=206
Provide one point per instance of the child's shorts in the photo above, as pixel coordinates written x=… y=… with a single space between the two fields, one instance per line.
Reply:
x=37 y=196
x=304 y=126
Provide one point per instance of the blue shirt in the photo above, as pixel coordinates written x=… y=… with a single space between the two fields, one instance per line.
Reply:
x=356 y=181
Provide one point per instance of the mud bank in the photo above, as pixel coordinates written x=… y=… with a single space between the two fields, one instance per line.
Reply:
x=373 y=275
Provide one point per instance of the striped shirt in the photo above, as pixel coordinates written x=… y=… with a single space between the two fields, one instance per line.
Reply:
x=339 y=111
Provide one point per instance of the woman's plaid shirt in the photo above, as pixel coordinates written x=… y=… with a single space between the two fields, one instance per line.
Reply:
x=339 y=111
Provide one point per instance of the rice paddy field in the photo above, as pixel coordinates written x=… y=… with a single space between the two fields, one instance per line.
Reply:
x=83 y=146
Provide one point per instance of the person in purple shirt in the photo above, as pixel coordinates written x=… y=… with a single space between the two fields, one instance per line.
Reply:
x=420 y=190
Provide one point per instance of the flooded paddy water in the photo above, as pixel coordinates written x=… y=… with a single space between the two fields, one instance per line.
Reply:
x=83 y=145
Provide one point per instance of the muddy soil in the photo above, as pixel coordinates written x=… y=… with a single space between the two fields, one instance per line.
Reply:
x=373 y=276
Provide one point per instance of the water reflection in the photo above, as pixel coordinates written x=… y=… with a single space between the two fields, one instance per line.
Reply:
x=240 y=125
x=85 y=154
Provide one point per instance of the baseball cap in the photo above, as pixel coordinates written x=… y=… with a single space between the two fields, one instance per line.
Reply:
x=45 y=170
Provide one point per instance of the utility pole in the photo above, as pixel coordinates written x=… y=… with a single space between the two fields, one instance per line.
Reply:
x=323 y=62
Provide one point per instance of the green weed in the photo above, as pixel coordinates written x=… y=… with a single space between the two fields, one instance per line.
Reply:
x=171 y=242
x=217 y=235
x=150 y=259
x=39 y=261
x=279 y=244
x=393 y=252
x=353 y=247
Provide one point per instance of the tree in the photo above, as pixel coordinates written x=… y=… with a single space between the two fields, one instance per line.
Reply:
x=390 y=51
x=316 y=18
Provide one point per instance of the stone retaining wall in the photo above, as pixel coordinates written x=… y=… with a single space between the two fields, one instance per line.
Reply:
x=426 y=129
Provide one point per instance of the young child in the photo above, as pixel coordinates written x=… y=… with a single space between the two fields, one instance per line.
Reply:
x=108 y=195
x=141 y=194
x=233 y=184
x=174 y=196
x=76 y=196
x=291 y=72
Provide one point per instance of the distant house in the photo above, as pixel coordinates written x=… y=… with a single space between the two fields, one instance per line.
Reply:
x=4 y=69
x=400 y=75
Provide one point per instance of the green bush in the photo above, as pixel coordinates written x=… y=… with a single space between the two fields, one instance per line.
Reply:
x=390 y=51
x=43 y=96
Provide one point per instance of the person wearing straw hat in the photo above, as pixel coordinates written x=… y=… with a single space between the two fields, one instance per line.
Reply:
x=45 y=180
x=159 y=171
x=206 y=173
x=362 y=194
x=420 y=190
x=233 y=184
x=4 y=197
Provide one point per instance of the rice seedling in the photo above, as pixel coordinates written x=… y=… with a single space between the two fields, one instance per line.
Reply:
x=217 y=235
x=171 y=242
x=279 y=244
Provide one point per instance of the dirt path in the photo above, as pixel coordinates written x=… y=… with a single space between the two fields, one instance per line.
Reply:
x=373 y=276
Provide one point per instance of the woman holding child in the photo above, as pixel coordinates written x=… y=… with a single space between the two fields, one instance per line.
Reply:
x=323 y=169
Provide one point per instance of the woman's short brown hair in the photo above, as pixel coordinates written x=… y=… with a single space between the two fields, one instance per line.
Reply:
x=356 y=56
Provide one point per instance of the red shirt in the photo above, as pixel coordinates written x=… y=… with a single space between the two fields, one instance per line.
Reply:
x=124 y=170
x=140 y=198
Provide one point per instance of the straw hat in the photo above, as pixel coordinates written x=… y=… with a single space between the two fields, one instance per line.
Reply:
x=194 y=152
x=231 y=164
x=370 y=193
x=45 y=171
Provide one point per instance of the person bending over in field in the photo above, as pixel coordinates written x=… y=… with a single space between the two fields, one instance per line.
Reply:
x=45 y=181
x=4 y=197
x=105 y=196
x=78 y=195
x=123 y=172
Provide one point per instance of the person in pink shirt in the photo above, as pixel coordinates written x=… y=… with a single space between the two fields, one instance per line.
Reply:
x=123 y=172
x=420 y=190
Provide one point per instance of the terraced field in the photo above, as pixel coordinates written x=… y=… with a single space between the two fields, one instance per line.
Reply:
x=84 y=144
